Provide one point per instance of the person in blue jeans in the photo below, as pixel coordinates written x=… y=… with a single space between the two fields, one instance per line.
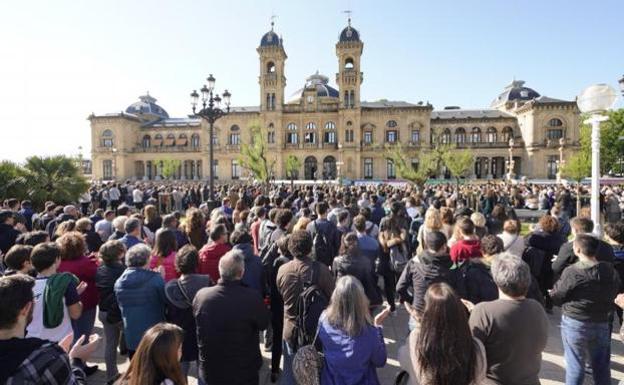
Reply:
x=586 y=291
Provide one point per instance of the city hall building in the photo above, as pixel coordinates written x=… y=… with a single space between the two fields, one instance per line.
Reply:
x=333 y=132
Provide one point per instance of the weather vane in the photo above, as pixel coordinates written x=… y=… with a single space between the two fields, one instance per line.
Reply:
x=349 y=13
x=273 y=17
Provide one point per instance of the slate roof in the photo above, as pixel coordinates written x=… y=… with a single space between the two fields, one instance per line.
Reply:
x=469 y=114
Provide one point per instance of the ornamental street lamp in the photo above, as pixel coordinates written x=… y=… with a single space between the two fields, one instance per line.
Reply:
x=595 y=100
x=211 y=111
x=560 y=162
x=510 y=162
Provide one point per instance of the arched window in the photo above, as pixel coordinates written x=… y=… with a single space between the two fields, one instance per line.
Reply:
x=147 y=141
x=107 y=138
x=310 y=126
x=158 y=140
x=460 y=135
x=170 y=142
x=330 y=126
x=195 y=141
x=234 y=128
x=446 y=136
x=555 y=122
x=390 y=169
x=182 y=140
x=270 y=67
x=291 y=127
x=349 y=64
x=349 y=123
x=415 y=136
x=507 y=134
x=491 y=135
x=391 y=123
x=476 y=135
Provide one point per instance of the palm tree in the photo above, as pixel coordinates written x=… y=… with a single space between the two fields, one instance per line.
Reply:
x=55 y=178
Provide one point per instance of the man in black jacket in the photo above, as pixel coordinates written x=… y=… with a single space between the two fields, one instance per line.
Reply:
x=8 y=234
x=327 y=242
x=585 y=292
x=566 y=256
x=431 y=266
x=229 y=317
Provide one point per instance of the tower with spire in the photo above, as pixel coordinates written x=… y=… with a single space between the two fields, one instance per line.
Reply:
x=349 y=77
x=272 y=79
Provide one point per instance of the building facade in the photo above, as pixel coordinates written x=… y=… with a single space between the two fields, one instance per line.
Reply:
x=333 y=132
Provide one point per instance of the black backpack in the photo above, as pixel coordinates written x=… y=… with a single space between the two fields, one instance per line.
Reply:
x=322 y=249
x=310 y=304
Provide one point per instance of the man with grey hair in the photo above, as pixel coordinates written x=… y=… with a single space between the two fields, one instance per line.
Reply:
x=119 y=228
x=140 y=293
x=513 y=328
x=229 y=318
x=132 y=227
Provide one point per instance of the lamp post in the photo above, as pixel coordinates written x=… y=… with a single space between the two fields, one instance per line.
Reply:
x=339 y=163
x=594 y=100
x=510 y=162
x=560 y=162
x=114 y=152
x=211 y=111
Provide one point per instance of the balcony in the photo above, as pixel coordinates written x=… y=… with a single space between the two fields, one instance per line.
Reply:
x=481 y=145
x=165 y=149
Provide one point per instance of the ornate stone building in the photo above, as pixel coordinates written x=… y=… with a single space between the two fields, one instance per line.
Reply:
x=332 y=131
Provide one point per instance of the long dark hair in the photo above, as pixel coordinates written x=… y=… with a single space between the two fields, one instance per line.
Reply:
x=445 y=351
x=165 y=243
x=156 y=358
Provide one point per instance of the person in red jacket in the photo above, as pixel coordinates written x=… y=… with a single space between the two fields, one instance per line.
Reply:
x=74 y=259
x=210 y=254
x=469 y=246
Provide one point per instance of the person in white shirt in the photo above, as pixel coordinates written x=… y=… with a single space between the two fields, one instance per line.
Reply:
x=137 y=198
x=115 y=197
x=46 y=258
x=513 y=242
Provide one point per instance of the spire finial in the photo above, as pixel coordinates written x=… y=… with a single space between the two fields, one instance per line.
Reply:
x=273 y=17
x=348 y=12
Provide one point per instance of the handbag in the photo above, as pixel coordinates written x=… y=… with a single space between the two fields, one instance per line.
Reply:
x=307 y=364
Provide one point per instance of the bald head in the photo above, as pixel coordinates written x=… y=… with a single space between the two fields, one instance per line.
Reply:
x=232 y=266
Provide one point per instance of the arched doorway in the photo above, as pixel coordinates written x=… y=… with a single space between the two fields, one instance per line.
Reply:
x=310 y=168
x=329 y=167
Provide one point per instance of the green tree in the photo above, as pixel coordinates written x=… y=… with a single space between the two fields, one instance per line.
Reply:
x=12 y=180
x=293 y=164
x=611 y=147
x=55 y=178
x=402 y=160
x=438 y=155
x=254 y=156
x=169 y=167
x=458 y=162
x=578 y=166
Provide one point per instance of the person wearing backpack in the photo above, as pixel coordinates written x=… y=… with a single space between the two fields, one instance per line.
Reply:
x=394 y=255
x=325 y=236
x=291 y=283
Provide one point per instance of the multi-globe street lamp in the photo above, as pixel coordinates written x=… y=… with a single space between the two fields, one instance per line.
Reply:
x=210 y=109
x=561 y=161
x=595 y=100
x=510 y=161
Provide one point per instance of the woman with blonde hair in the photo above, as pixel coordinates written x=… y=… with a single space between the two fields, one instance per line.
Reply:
x=353 y=343
x=63 y=228
x=479 y=222
x=433 y=222
x=157 y=358
x=152 y=220
x=302 y=223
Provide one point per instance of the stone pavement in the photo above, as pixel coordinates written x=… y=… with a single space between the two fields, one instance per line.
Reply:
x=552 y=373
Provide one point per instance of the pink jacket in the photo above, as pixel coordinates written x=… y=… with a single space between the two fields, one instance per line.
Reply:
x=169 y=264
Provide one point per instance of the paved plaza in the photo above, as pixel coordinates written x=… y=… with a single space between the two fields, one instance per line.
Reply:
x=552 y=373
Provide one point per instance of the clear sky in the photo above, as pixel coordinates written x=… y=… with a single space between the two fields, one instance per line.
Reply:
x=61 y=60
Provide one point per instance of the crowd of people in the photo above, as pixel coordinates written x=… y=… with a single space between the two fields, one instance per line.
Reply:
x=309 y=273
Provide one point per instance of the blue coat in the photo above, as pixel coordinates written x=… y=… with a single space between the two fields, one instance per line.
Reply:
x=141 y=297
x=130 y=240
x=351 y=360
x=253 y=276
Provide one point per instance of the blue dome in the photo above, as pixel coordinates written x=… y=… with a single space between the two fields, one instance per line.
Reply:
x=515 y=91
x=320 y=82
x=147 y=106
x=349 y=34
x=270 y=39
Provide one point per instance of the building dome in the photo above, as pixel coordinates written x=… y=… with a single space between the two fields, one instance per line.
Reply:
x=147 y=106
x=270 y=39
x=515 y=91
x=319 y=82
x=349 y=34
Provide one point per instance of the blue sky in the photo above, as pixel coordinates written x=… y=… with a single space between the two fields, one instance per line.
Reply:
x=62 y=60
